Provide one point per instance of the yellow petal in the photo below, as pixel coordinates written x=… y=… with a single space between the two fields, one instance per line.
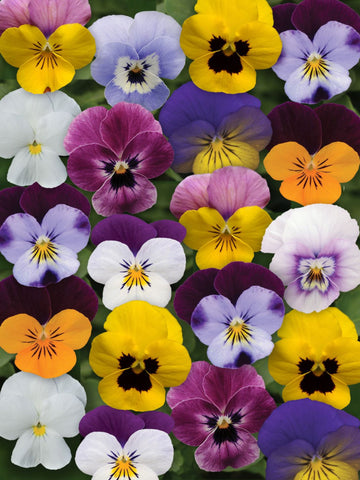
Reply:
x=200 y=226
x=220 y=252
x=174 y=362
x=264 y=42
x=106 y=349
x=77 y=44
x=197 y=31
x=252 y=223
x=284 y=358
x=346 y=351
x=173 y=326
x=17 y=44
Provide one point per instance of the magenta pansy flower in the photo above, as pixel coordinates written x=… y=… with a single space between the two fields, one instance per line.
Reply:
x=114 y=153
x=218 y=410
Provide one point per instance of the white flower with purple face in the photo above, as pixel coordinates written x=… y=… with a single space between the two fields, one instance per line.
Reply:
x=315 y=254
x=133 y=54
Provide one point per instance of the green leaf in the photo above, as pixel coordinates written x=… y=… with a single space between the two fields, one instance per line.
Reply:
x=179 y=10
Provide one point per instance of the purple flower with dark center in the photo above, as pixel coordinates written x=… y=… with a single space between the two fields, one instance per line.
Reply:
x=218 y=410
x=321 y=42
x=309 y=439
x=114 y=153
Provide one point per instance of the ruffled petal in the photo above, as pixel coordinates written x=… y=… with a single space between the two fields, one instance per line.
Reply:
x=85 y=128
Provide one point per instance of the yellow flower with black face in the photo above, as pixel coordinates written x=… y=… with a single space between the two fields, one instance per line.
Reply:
x=139 y=355
x=228 y=42
x=317 y=357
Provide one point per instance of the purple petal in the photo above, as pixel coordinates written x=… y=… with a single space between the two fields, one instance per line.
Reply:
x=127 y=229
x=48 y=15
x=13 y=13
x=212 y=457
x=110 y=29
x=190 y=194
x=37 y=200
x=170 y=56
x=231 y=188
x=120 y=423
x=104 y=66
x=282 y=17
x=17 y=235
x=310 y=15
x=123 y=122
x=149 y=25
x=197 y=286
x=345 y=442
x=189 y=103
x=221 y=384
x=339 y=124
x=158 y=421
x=192 y=387
x=169 y=229
x=85 y=128
x=237 y=277
x=288 y=460
x=73 y=293
x=301 y=419
x=293 y=122
x=89 y=166
x=67 y=226
x=152 y=152
x=108 y=201
x=10 y=202
x=16 y=298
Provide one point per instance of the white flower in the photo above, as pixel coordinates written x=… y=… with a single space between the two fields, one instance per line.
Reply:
x=147 y=454
x=33 y=128
x=39 y=412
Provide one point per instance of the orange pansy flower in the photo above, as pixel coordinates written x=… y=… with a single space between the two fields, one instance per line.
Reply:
x=46 y=350
x=309 y=178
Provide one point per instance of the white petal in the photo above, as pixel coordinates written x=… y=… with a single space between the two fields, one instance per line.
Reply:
x=154 y=449
x=26 y=453
x=105 y=261
x=63 y=103
x=62 y=413
x=17 y=414
x=93 y=452
x=273 y=237
x=22 y=170
x=67 y=384
x=165 y=256
x=54 y=452
x=16 y=133
x=116 y=292
x=50 y=131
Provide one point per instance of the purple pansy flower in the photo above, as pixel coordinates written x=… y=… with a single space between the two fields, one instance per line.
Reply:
x=309 y=439
x=133 y=54
x=210 y=130
x=135 y=260
x=321 y=42
x=218 y=410
x=114 y=153
x=47 y=15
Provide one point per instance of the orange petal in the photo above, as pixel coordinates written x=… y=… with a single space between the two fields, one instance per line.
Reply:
x=327 y=192
x=286 y=159
x=339 y=160
x=47 y=359
x=18 y=331
x=69 y=327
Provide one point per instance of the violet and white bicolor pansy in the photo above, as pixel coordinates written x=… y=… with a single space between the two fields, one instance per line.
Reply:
x=134 y=261
x=46 y=252
x=315 y=254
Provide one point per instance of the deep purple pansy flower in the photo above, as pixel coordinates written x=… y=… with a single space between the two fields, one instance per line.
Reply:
x=321 y=42
x=218 y=410
x=210 y=130
x=43 y=303
x=114 y=153
x=309 y=439
x=47 y=15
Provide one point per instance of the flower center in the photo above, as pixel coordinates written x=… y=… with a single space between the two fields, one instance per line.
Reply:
x=316 y=273
x=44 y=250
x=223 y=422
x=120 y=167
x=223 y=427
x=135 y=275
x=35 y=148
x=317 y=375
x=238 y=331
x=227 y=55
x=39 y=430
x=225 y=237
x=140 y=75
x=123 y=466
x=315 y=67
x=136 y=372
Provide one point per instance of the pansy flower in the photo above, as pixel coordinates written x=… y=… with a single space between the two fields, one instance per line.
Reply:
x=313 y=151
x=139 y=355
x=114 y=153
x=134 y=262
x=134 y=54
x=315 y=254
x=49 y=48
x=228 y=42
x=44 y=326
x=306 y=439
x=218 y=410
x=321 y=42
x=317 y=357
x=213 y=130
x=38 y=413
x=222 y=214
x=33 y=131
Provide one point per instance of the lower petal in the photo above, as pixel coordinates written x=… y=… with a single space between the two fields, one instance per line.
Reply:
x=214 y=255
x=314 y=190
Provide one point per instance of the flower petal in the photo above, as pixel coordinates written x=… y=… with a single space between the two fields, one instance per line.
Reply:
x=62 y=413
x=93 y=452
x=190 y=194
x=104 y=260
x=17 y=414
x=85 y=128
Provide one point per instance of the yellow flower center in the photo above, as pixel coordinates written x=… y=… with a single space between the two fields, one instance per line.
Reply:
x=136 y=277
x=228 y=49
x=43 y=250
x=35 y=148
x=123 y=468
x=238 y=331
x=39 y=430
x=315 y=67
x=120 y=167
x=223 y=422
x=138 y=366
x=225 y=237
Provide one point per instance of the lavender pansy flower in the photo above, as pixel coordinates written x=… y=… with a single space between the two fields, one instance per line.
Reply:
x=134 y=261
x=134 y=54
x=114 y=153
x=319 y=52
x=218 y=410
x=309 y=439
x=210 y=130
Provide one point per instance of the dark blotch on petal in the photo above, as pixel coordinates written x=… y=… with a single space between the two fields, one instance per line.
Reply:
x=49 y=277
x=140 y=381
x=216 y=43
x=243 y=359
x=230 y=63
x=312 y=383
x=151 y=365
x=119 y=180
x=321 y=94
x=126 y=360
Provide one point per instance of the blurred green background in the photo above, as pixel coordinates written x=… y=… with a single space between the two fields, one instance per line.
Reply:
x=269 y=89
